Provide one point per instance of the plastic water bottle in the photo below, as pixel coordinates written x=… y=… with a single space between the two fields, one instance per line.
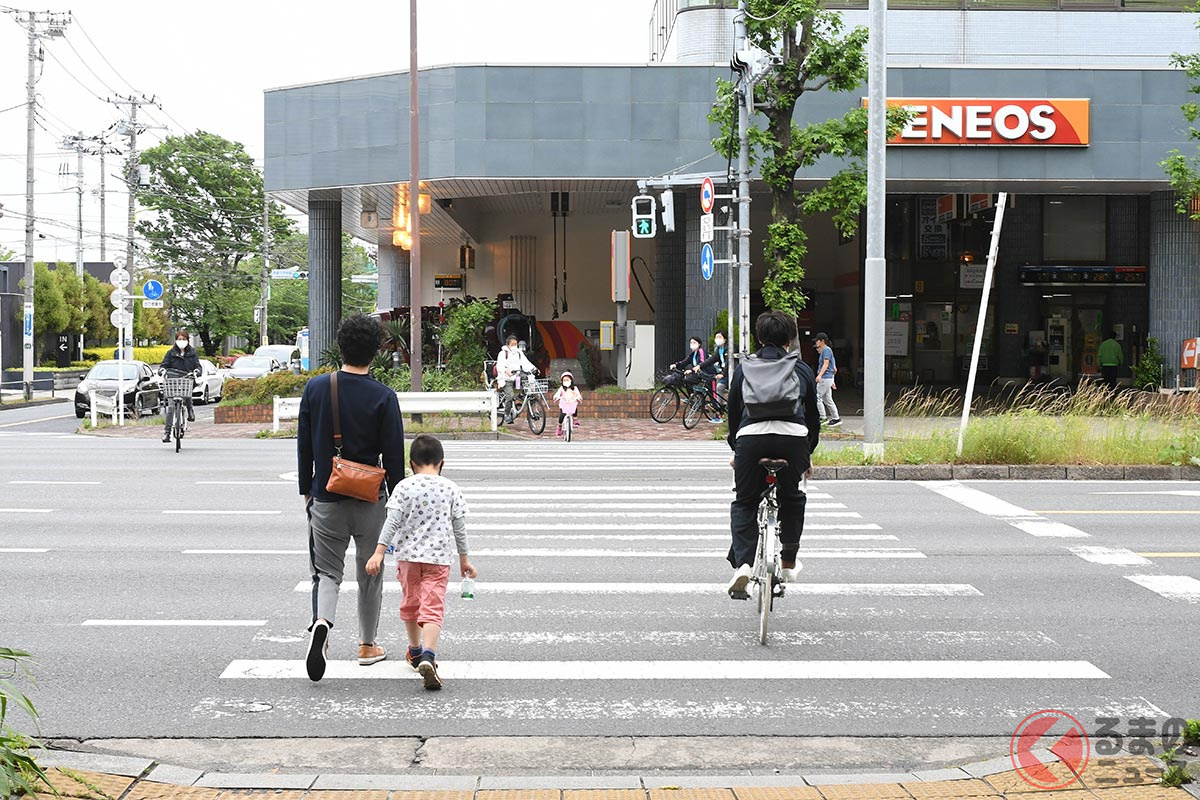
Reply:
x=468 y=588
x=389 y=556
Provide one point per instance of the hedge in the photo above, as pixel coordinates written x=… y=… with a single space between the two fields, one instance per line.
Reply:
x=151 y=355
x=260 y=391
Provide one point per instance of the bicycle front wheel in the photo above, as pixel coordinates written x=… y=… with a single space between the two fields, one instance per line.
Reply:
x=693 y=411
x=664 y=405
x=535 y=414
x=568 y=426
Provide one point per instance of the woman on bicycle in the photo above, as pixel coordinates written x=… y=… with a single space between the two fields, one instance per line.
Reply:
x=568 y=397
x=792 y=438
x=510 y=362
x=694 y=358
x=180 y=359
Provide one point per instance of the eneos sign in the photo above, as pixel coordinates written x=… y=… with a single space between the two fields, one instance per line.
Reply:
x=967 y=121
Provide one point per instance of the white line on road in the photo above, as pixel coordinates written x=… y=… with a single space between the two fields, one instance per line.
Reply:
x=54 y=483
x=1172 y=587
x=742 y=671
x=32 y=421
x=175 y=623
x=221 y=511
x=679 y=537
x=1172 y=493
x=667 y=495
x=491 y=524
x=716 y=589
x=244 y=552
x=24 y=550
x=1115 y=556
x=551 y=508
x=25 y=510
x=991 y=506
x=245 y=483
x=812 y=552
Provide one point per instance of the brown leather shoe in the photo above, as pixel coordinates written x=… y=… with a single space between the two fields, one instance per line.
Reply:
x=369 y=654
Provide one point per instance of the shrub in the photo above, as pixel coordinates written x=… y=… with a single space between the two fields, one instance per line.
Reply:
x=589 y=362
x=1148 y=371
x=260 y=391
x=463 y=336
x=151 y=355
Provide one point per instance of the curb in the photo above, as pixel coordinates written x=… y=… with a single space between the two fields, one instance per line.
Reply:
x=33 y=403
x=1002 y=472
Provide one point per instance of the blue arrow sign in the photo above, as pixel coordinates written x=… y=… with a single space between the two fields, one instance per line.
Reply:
x=152 y=290
x=706 y=261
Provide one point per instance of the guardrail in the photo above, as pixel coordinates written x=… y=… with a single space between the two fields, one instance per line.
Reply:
x=288 y=408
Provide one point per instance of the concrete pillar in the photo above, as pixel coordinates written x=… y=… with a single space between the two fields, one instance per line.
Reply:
x=324 y=270
x=394 y=277
x=1174 y=279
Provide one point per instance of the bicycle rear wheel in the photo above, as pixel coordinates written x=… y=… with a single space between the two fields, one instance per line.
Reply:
x=664 y=405
x=177 y=425
x=568 y=426
x=535 y=414
x=693 y=411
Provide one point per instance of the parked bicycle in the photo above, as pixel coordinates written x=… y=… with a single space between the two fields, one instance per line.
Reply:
x=177 y=387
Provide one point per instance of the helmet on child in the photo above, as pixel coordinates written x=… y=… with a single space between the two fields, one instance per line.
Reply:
x=566 y=375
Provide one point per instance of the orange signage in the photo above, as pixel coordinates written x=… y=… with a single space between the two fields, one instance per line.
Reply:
x=1190 y=358
x=980 y=121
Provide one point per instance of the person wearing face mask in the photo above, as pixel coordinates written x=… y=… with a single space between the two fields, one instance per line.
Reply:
x=695 y=356
x=568 y=398
x=716 y=364
x=181 y=360
x=509 y=363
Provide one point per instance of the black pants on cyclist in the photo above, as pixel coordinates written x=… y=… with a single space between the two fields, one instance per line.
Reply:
x=750 y=481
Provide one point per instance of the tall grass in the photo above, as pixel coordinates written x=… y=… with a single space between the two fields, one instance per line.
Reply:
x=1089 y=400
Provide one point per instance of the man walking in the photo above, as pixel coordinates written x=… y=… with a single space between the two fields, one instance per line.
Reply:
x=1110 y=357
x=826 y=370
x=371 y=428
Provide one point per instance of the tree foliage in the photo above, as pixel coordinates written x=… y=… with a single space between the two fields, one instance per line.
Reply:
x=50 y=312
x=207 y=199
x=1184 y=170
x=812 y=52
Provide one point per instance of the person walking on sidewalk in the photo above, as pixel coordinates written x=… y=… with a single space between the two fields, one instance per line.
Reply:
x=426 y=523
x=826 y=370
x=371 y=428
x=1110 y=358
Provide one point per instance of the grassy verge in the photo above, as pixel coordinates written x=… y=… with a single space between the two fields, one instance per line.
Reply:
x=1029 y=438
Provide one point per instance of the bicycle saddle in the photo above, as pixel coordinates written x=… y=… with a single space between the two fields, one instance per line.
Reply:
x=772 y=464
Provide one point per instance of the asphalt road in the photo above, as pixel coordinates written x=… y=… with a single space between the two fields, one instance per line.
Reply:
x=925 y=609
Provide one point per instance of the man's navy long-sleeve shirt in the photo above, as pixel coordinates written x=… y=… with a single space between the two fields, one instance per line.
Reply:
x=371 y=427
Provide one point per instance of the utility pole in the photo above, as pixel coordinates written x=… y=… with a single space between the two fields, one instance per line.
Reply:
x=132 y=182
x=38 y=25
x=264 y=289
x=414 y=201
x=875 y=269
x=745 y=102
x=76 y=143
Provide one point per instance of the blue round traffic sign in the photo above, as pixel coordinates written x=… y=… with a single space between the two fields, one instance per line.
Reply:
x=152 y=290
x=706 y=261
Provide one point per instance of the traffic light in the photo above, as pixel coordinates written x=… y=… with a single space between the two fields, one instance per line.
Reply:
x=644 y=212
x=668 y=210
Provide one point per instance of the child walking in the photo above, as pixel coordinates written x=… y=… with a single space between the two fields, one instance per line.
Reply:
x=568 y=397
x=426 y=523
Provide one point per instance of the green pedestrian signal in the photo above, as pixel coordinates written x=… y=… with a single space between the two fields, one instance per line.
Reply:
x=645 y=210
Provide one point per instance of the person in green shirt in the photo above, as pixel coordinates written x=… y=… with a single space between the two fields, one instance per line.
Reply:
x=1110 y=358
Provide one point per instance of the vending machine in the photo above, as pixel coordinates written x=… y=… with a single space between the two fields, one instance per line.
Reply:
x=1058 y=346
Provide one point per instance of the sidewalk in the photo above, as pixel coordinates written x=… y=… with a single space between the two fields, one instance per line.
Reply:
x=104 y=777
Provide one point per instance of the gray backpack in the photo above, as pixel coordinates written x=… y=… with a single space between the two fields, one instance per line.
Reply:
x=771 y=388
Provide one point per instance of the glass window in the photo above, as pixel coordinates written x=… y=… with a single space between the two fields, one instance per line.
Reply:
x=1074 y=229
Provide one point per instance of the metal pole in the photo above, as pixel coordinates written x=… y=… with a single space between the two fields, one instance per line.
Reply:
x=103 y=228
x=993 y=250
x=27 y=320
x=743 y=231
x=264 y=290
x=875 y=269
x=414 y=198
x=79 y=232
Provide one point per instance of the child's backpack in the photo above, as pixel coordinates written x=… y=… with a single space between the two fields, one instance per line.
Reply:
x=771 y=387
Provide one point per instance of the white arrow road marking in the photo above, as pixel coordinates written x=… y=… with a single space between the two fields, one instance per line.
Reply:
x=631 y=588
x=742 y=671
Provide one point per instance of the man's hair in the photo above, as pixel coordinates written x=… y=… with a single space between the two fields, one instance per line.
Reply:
x=1112 y=334
x=359 y=337
x=426 y=451
x=775 y=328
x=512 y=337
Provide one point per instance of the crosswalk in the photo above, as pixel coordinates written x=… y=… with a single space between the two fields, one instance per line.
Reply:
x=601 y=607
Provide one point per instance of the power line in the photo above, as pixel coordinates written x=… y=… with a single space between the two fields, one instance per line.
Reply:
x=100 y=52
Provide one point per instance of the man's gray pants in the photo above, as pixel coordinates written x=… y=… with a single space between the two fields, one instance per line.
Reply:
x=825 y=405
x=331 y=526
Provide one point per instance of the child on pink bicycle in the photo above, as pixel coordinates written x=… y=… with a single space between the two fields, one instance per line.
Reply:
x=568 y=398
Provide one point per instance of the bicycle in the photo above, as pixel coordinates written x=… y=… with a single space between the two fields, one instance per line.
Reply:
x=532 y=403
x=176 y=388
x=767 y=575
x=704 y=401
x=664 y=403
x=568 y=426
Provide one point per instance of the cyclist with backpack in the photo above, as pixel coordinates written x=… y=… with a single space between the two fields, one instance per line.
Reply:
x=772 y=414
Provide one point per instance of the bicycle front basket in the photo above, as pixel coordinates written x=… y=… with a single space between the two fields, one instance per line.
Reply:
x=540 y=386
x=177 y=387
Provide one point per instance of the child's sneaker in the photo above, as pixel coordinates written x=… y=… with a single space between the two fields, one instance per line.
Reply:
x=558 y=431
x=427 y=666
x=412 y=655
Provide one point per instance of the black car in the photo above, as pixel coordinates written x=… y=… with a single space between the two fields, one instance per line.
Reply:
x=143 y=388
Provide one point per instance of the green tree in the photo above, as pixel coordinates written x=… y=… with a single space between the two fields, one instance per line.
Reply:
x=1184 y=170
x=97 y=325
x=208 y=198
x=70 y=286
x=811 y=51
x=50 y=312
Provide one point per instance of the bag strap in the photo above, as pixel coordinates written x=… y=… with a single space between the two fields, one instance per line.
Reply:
x=337 y=427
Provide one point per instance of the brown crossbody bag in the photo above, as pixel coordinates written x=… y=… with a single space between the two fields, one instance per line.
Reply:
x=350 y=478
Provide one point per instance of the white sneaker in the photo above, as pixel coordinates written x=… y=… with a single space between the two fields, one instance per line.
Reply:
x=741 y=577
x=791 y=575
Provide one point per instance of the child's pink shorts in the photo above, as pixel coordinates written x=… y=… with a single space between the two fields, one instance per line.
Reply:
x=424 y=588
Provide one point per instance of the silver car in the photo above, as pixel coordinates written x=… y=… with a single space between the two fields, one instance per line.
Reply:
x=286 y=354
x=254 y=367
x=210 y=384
